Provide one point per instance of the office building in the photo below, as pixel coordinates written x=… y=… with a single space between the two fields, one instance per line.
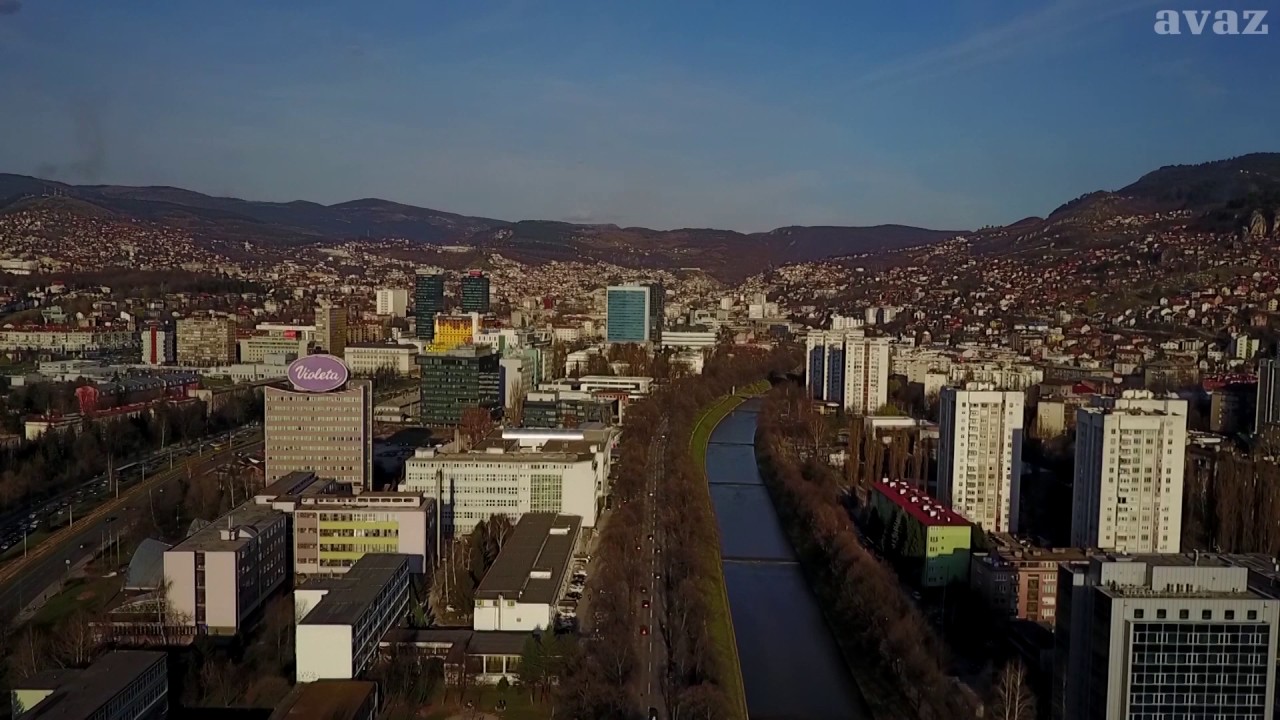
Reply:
x=330 y=700
x=453 y=381
x=121 y=685
x=530 y=575
x=568 y=409
x=159 y=345
x=331 y=328
x=428 y=301
x=1162 y=636
x=918 y=529
x=224 y=572
x=1021 y=582
x=1268 y=403
x=980 y=455
x=454 y=330
x=332 y=532
x=849 y=369
x=657 y=312
x=206 y=342
x=514 y=472
x=341 y=619
x=1130 y=464
x=696 y=339
x=475 y=292
x=393 y=302
x=371 y=358
x=325 y=431
x=265 y=348
x=630 y=313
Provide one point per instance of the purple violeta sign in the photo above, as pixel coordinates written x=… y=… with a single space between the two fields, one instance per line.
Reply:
x=318 y=373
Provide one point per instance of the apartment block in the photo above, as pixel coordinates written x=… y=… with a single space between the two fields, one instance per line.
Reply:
x=530 y=575
x=915 y=527
x=206 y=342
x=341 y=619
x=1021 y=582
x=121 y=685
x=848 y=368
x=1130 y=465
x=1162 y=636
x=220 y=575
x=159 y=345
x=392 y=301
x=980 y=454
x=328 y=433
x=515 y=472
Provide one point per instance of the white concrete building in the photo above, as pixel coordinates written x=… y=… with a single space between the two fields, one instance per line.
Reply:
x=393 y=301
x=688 y=338
x=980 y=455
x=848 y=368
x=1163 y=636
x=1130 y=464
x=520 y=592
x=369 y=358
x=514 y=472
x=227 y=570
x=341 y=619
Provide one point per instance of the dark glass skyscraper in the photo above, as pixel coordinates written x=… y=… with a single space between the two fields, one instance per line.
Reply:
x=475 y=292
x=428 y=301
x=657 y=311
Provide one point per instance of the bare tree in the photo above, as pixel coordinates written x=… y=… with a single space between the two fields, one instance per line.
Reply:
x=475 y=424
x=515 y=406
x=1011 y=698
x=75 y=642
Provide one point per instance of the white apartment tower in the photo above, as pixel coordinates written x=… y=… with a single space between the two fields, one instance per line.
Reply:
x=1130 y=461
x=849 y=368
x=393 y=301
x=980 y=454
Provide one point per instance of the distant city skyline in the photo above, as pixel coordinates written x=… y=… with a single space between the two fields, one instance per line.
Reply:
x=665 y=115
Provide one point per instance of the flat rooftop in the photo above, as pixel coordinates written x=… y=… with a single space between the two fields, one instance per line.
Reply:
x=248 y=520
x=78 y=694
x=533 y=561
x=328 y=699
x=351 y=594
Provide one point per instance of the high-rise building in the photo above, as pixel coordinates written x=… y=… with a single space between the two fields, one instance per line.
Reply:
x=848 y=368
x=159 y=345
x=454 y=330
x=206 y=341
x=980 y=454
x=323 y=425
x=1130 y=463
x=1268 y=407
x=657 y=311
x=331 y=328
x=1162 y=636
x=428 y=301
x=630 y=313
x=393 y=302
x=455 y=380
x=475 y=292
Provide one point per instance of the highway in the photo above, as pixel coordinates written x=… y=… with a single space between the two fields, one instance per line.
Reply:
x=21 y=580
x=653 y=675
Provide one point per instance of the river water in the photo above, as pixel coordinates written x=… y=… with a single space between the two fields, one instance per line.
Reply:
x=790 y=663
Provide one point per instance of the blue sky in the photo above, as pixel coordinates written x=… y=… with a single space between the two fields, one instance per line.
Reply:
x=692 y=113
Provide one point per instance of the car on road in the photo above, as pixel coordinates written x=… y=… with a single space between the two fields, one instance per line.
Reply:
x=650 y=537
x=644 y=603
x=643 y=590
x=644 y=629
x=653 y=713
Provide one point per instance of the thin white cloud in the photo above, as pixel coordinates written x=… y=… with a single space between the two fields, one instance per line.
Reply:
x=1056 y=20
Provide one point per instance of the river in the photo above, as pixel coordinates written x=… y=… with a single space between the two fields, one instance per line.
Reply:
x=790 y=663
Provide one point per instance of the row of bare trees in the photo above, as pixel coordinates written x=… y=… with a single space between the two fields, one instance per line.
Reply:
x=872 y=618
x=598 y=676
x=1231 y=500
